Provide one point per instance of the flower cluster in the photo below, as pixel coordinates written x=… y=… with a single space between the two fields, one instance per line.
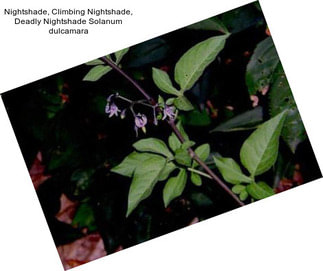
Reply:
x=140 y=119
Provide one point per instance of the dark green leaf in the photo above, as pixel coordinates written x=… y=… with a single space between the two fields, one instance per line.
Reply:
x=84 y=217
x=259 y=190
x=259 y=152
x=212 y=24
x=231 y=171
x=163 y=82
x=280 y=99
x=96 y=73
x=261 y=66
x=242 y=121
x=82 y=180
x=192 y=64
x=174 y=187
x=196 y=118
x=154 y=145
x=144 y=179
x=120 y=54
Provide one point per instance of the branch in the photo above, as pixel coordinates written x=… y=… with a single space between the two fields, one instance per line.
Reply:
x=176 y=131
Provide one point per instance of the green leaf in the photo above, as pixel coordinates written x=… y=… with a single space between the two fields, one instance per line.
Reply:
x=238 y=188
x=174 y=187
x=196 y=179
x=154 y=145
x=214 y=24
x=203 y=152
x=96 y=73
x=182 y=103
x=259 y=190
x=243 y=195
x=161 y=101
x=261 y=66
x=192 y=64
x=243 y=121
x=280 y=99
x=187 y=144
x=94 y=62
x=144 y=179
x=168 y=169
x=163 y=82
x=129 y=164
x=259 y=151
x=120 y=54
x=170 y=101
x=182 y=157
x=182 y=131
x=82 y=180
x=231 y=171
x=196 y=118
x=174 y=142
x=84 y=217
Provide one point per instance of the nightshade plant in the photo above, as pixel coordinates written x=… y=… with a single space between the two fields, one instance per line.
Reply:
x=176 y=161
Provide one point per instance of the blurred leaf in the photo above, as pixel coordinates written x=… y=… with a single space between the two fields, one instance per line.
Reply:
x=147 y=52
x=120 y=54
x=238 y=188
x=211 y=24
x=261 y=66
x=259 y=152
x=154 y=145
x=163 y=82
x=182 y=103
x=82 y=180
x=202 y=151
x=243 y=195
x=144 y=179
x=182 y=131
x=231 y=171
x=96 y=73
x=174 y=187
x=242 y=121
x=94 y=62
x=196 y=118
x=259 y=190
x=192 y=64
x=84 y=217
x=174 y=142
x=196 y=179
x=280 y=99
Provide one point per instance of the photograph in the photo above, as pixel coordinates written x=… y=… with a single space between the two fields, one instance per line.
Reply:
x=161 y=135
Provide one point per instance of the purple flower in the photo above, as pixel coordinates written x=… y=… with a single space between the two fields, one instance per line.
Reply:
x=123 y=113
x=140 y=122
x=112 y=109
x=169 y=111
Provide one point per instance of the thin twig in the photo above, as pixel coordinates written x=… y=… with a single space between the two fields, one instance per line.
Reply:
x=176 y=131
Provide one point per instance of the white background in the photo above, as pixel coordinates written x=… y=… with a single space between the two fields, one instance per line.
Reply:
x=283 y=232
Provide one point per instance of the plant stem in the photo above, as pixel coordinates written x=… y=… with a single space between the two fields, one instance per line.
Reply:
x=176 y=131
x=199 y=172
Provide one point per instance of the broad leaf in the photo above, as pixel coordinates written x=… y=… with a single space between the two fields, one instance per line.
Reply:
x=144 y=179
x=238 y=188
x=129 y=164
x=280 y=99
x=259 y=152
x=191 y=65
x=168 y=169
x=163 y=82
x=203 y=152
x=196 y=179
x=174 y=187
x=96 y=73
x=182 y=157
x=261 y=66
x=259 y=190
x=182 y=103
x=153 y=145
x=84 y=217
x=243 y=195
x=243 y=121
x=231 y=171
x=120 y=54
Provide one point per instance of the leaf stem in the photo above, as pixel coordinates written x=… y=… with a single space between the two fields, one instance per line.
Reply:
x=199 y=172
x=175 y=130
